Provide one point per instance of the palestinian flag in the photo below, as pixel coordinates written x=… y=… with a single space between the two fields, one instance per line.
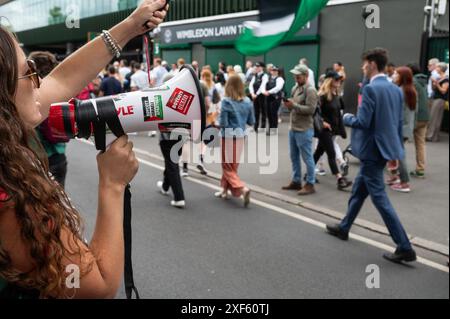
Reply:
x=279 y=21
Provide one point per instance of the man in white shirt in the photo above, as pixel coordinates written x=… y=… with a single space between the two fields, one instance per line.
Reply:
x=274 y=94
x=158 y=73
x=124 y=68
x=257 y=88
x=311 y=77
x=390 y=71
x=249 y=71
x=432 y=64
x=139 y=80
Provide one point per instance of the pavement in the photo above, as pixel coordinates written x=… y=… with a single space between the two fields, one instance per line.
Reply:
x=424 y=211
x=218 y=249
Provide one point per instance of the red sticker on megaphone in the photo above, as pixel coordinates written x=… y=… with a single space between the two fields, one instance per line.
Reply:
x=180 y=101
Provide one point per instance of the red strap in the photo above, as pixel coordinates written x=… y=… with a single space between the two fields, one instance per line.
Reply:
x=3 y=197
x=147 y=53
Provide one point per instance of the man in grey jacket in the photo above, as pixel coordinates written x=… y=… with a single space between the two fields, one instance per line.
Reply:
x=302 y=106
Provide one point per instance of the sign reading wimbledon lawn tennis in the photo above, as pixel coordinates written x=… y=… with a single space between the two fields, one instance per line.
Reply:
x=217 y=30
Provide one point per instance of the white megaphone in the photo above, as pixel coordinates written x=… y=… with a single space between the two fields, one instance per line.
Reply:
x=176 y=105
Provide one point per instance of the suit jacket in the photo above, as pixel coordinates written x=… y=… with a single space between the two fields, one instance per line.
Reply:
x=377 y=127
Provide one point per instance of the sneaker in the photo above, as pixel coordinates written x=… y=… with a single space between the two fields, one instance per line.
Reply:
x=219 y=195
x=344 y=169
x=152 y=133
x=343 y=183
x=402 y=188
x=394 y=180
x=392 y=165
x=180 y=204
x=184 y=172
x=321 y=171
x=201 y=169
x=418 y=174
x=222 y=195
x=161 y=188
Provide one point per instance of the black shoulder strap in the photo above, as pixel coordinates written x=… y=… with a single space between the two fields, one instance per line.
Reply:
x=127 y=233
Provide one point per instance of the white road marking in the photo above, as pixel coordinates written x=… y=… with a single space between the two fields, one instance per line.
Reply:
x=297 y=216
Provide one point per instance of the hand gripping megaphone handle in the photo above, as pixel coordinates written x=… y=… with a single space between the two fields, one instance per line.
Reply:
x=162 y=8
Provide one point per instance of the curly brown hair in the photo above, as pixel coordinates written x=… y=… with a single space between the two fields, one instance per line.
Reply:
x=41 y=206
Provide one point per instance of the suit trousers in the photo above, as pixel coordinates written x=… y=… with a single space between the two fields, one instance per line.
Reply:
x=370 y=182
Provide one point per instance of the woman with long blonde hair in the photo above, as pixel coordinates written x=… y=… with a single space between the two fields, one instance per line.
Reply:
x=237 y=112
x=330 y=107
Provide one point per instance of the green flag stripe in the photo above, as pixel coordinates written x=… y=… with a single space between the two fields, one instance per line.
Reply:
x=251 y=45
x=308 y=10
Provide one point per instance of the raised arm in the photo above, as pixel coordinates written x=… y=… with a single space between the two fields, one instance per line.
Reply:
x=72 y=75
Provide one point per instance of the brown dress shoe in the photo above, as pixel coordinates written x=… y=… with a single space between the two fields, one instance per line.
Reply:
x=307 y=190
x=293 y=187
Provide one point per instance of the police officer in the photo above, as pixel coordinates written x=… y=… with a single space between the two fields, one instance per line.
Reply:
x=257 y=88
x=274 y=93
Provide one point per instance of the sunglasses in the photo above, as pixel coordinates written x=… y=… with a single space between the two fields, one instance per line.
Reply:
x=32 y=74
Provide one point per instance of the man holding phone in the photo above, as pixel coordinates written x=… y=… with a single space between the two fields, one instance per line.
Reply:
x=302 y=106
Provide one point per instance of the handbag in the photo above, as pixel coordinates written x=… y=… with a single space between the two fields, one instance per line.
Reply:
x=318 y=122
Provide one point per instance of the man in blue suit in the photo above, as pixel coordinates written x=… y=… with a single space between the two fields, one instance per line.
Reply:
x=376 y=139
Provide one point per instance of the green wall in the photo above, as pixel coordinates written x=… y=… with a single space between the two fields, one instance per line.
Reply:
x=288 y=56
x=229 y=55
x=172 y=55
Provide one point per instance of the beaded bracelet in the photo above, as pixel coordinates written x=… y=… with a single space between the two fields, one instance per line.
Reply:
x=111 y=43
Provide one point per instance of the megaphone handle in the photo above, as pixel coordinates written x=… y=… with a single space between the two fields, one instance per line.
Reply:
x=162 y=8
x=127 y=235
x=100 y=135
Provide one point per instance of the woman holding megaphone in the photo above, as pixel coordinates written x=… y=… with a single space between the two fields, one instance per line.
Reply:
x=40 y=231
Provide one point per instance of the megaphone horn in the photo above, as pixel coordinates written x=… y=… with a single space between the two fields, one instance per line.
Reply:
x=177 y=104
